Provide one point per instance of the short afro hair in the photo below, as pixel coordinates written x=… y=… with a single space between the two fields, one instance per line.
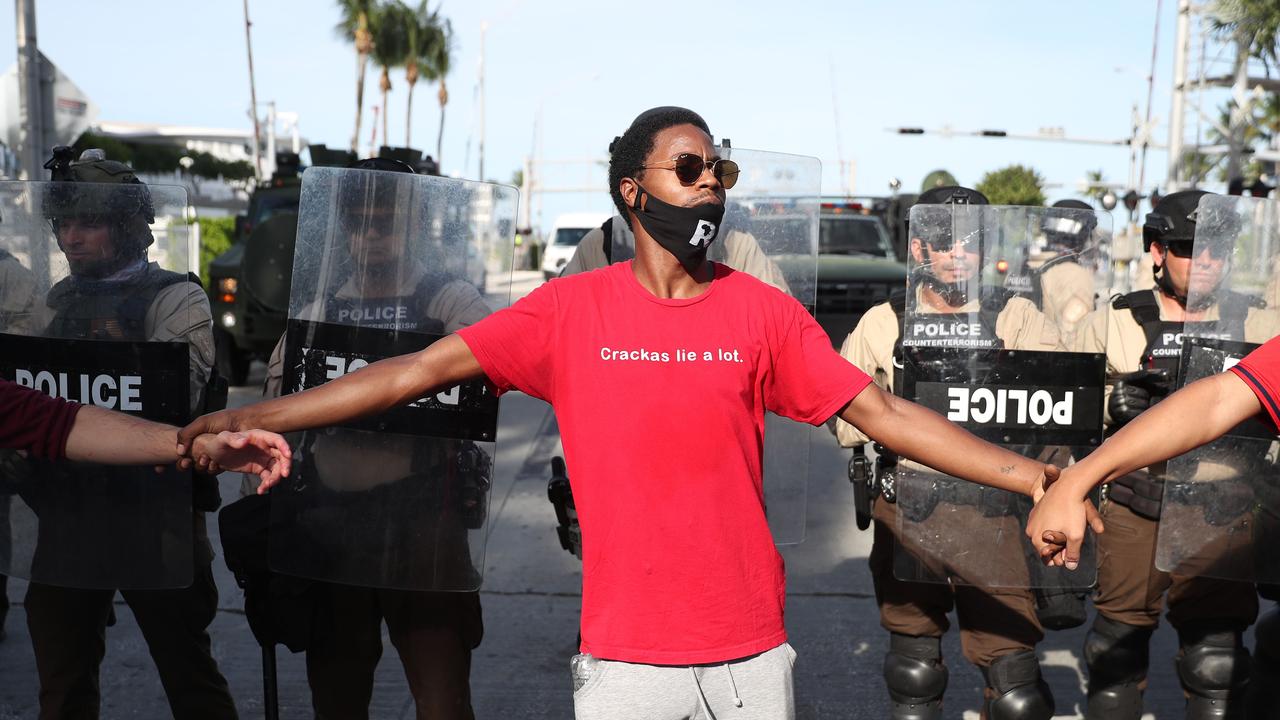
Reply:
x=628 y=151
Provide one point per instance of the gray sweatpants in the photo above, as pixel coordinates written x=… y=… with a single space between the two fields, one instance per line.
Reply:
x=758 y=687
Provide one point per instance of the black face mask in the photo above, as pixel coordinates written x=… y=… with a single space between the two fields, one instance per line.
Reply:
x=685 y=232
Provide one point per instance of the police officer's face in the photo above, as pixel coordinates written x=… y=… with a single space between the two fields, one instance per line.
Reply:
x=665 y=184
x=952 y=263
x=376 y=239
x=1195 y=276
x=86 y=244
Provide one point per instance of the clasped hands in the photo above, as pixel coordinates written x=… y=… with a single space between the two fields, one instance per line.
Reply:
x=1057 y=523
x=212 y=447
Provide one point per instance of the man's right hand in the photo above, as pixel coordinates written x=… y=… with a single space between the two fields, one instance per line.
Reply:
x=1135 y=392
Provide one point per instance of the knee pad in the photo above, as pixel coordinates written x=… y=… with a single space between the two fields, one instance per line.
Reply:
x=915 y=676
x=1016 y=690
x=1117 y=655
x=1213 y=666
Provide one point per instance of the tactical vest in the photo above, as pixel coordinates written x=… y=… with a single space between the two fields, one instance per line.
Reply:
x=430 y=466
x=1163 y=349
x=993 y=303
x=1140 y=492
x=405 y=312
x=101 y=310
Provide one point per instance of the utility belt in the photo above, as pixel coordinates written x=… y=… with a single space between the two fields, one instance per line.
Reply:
x=1223 y=502
x=867 y=486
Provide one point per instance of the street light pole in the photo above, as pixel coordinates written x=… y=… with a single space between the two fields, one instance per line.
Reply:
x=30 y=98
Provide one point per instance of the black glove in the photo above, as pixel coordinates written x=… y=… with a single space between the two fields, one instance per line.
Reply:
x=1132 y=393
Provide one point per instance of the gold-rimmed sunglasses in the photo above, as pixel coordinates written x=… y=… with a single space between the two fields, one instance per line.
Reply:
x=689 y=167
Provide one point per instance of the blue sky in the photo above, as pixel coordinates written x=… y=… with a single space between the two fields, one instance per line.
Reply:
x=760 y=73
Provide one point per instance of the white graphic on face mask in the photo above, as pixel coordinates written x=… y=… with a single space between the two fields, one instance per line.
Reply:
x=703 y=234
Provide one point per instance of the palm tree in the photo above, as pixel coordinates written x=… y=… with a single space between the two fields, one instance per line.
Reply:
x=423 y=34
x=354 y=26
x=1256 y=22
x=390 y=45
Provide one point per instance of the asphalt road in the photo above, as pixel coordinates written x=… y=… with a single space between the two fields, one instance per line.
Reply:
x=531 y=599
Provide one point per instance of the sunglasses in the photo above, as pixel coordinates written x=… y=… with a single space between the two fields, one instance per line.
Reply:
x=689 y=168
x=1187 y=248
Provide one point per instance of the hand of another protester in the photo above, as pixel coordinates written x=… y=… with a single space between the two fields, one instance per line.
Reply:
x=260 y=452
x=1056 y=525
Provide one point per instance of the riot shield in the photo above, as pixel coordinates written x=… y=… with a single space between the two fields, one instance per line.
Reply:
x=979 y=352
x=771 y=232
x=93 y=286
x=385 y=264
x=1221 y=512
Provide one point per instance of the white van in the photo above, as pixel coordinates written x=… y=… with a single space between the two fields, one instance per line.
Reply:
x=564 y=238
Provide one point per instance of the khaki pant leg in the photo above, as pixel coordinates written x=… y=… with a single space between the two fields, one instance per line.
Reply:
x=434 y=634
x=906 y=608
x=1130 y=588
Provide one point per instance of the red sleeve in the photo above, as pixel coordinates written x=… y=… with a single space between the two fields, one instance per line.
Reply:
x=514 y=346
x=35 y=422
x=810 y=382
x=1260 y=370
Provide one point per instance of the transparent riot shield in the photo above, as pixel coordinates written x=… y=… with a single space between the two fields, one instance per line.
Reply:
x=978 y=350
x=385 y=264
x=771 y=232
x=94 y=304
x=1221 y=512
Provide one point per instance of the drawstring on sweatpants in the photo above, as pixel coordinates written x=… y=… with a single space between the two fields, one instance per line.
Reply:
x=702 y=696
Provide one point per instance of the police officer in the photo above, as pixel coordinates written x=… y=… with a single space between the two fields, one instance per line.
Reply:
x=1065 y=291
x=999 y=627
x=114 y=293
x=389 y=286
x=1143 y=342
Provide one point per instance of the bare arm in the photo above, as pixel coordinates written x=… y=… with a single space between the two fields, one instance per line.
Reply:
x=371 y=390
x=915 y=432
x=1217 y=404
x=112 y=438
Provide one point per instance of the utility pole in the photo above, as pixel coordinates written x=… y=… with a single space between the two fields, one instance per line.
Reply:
x=253 y=98
x=30 y=93
x=484 y=28
x=1178 y=111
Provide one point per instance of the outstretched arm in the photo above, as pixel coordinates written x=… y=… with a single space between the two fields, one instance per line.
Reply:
x=913 y=431
x=1197 y=414
x=371 y=390
x=112 y=438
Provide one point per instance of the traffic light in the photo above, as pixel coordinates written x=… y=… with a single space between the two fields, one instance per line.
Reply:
x=1131 y=199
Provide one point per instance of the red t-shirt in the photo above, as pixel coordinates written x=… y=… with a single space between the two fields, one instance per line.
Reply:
x=661 y=406
x=1260 y=370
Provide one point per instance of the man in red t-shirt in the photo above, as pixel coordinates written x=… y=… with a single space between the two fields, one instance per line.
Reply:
x=660 y=371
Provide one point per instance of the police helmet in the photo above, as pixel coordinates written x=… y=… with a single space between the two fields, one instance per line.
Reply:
x=1069 y=230
x=1173 y=219
x=104 y=190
